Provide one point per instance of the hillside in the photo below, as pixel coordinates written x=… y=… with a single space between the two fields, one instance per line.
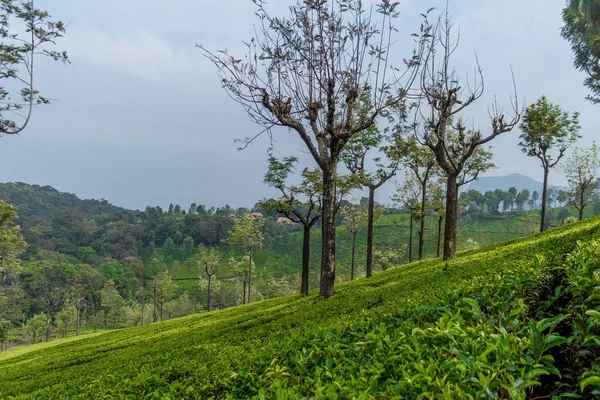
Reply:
x=506 y=321
x=44 y=201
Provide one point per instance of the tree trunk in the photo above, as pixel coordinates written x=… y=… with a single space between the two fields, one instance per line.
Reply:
x=161 y=310
x=581 y=203
x=209 y=298
x=451 y=218
x=422 y=229
x=544 y=195
x=327 y=284
x=154 y=317
x=249 y=278
x=77 y=321
x=244 y=299
x=369 y=235
x=353 y=252
x=410 y=236
x=48 y=326
x=143 y=306
x=439 y=234
x=305 y=259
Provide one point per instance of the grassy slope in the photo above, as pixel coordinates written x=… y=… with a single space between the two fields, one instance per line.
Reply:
x=197 y=354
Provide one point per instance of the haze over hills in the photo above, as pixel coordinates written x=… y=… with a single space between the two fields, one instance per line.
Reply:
x=519 y=181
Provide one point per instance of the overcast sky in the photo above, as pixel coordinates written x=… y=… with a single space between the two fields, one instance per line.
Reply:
x=141 y=118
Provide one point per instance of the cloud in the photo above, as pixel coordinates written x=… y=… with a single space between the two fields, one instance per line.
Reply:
x=513 y=17
x=142 y=55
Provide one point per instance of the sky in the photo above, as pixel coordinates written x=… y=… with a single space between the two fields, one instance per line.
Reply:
x=140 y=118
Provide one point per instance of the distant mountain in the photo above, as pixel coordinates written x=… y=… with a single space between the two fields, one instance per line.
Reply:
x=519 y=181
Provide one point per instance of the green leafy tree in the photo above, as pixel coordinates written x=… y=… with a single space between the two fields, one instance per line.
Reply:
x=169 y=249
x=385 y=258
x=178 y=238
x=50 y=283
x=133 y=313
x=443 y=131
x=513 y=196
x=300 y=203
x=179 y=306
x=408 y=196
x=12 y=242
x=438 y=205
x=163 y=289
x=188 y=247
x=522 y=199
x=278 y=287
x=112 y=302
x=5 y=328
x=247 y=234
x=35 y=327
x=240 y=269
x=65 y=317
x=306 y=72
x=355 y=219
x=547 y=132
x=27 y=33
x=14 y=302
x=208 y=261
x=582 y=30
x=582 y=169
x=535 y=196
x=508 y=201
x=421 y=162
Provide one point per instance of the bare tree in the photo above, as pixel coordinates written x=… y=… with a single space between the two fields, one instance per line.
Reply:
x=307 y=71
x=446 y=99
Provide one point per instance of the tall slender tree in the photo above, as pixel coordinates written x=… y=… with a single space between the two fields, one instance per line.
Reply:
x=247 y=234
x=547 y=133
x=388 y=146
x=420 y=161
x=209 y=261
x=306 y=72
x=408 y=196
x=582 y=169
x=355 y=218
x=437 y=192
x=444 y=132
x=301 y=203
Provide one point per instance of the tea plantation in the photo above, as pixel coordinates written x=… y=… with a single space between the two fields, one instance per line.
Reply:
x=517 y=320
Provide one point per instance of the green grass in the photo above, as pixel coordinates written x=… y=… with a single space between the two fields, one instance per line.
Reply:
x=306 y=346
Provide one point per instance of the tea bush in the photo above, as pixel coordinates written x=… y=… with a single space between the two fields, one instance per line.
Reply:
x=517 y=320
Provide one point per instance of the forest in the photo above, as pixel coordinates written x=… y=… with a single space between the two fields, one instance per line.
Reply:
x=327 y=290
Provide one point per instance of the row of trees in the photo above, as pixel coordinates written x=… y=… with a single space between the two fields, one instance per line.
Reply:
x=325 y=72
